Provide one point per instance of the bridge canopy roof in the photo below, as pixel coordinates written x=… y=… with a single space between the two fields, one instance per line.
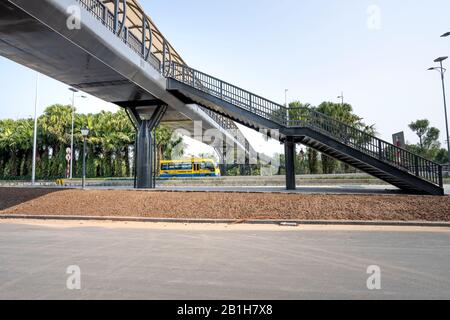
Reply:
x=138 y=22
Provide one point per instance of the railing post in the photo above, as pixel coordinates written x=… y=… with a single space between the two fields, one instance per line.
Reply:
x=164 y=57
x=183 y=73
x=441 y=177
x=116 y=16
x=221 y=90
x=416 y=164
x=144 y=22
x=380 y=150
x=104 y=14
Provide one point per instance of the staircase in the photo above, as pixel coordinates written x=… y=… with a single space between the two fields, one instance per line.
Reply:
x=352 y=146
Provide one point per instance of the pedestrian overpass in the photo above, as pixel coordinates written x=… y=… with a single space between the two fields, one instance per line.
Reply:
x=112 y=49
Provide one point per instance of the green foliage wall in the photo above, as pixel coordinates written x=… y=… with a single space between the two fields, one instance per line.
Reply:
x=110 y=144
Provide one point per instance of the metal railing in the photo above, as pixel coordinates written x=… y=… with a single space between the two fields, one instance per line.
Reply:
x=228 y=92
x=289 y=118
x=224 y=122
x=368 y=144
x=99 y=10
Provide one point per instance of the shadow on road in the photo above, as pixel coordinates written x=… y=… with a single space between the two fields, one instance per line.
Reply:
x=10 y=197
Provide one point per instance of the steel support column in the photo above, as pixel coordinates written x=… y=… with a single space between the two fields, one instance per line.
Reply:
x=144 y=163
x=146 y=157
x=289 y=147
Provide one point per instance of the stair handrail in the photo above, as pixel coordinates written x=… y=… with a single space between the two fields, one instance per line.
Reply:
x=228 y=92
x=340 y=131
x=369 y=144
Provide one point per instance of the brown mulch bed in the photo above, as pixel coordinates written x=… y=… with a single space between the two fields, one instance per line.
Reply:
x=217 y=205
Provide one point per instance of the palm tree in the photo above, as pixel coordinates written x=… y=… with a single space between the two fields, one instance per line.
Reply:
x=110 y=143
x=56 y=125
x=15 y=146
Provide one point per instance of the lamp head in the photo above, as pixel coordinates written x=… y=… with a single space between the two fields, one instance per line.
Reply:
x=84 y=132
x=440 y=59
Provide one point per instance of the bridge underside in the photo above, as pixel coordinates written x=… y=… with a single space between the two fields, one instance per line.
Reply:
x=108 y=70
x=31 y=43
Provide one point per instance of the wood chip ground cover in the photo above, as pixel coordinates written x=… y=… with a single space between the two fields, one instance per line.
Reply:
x=217 y=205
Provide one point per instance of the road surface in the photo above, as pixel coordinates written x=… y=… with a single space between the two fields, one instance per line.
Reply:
x=145 y=261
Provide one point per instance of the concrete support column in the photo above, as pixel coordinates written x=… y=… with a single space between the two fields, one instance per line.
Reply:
x=289 y=147
x=144 y=163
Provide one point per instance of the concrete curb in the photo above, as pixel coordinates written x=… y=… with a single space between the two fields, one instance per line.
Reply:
x=230 y=221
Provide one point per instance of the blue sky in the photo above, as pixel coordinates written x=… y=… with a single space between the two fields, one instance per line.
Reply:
x=377 y=52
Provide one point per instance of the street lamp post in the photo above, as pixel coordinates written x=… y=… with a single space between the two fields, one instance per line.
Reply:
x=74 y=91
x=442 y=71
x=71 y=135
x=84 y=133
x=36 y=99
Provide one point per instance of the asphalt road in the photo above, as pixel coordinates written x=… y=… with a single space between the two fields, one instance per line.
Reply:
x=156 y=263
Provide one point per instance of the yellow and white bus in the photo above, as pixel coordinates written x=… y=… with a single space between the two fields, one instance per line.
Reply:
x=189 y=168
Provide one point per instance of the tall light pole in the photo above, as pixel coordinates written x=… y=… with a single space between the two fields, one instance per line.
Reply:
x=71 y=135
x=36 y=101
x=445 y=35
x=442 y=71
x=74 y=91
x=84 y=133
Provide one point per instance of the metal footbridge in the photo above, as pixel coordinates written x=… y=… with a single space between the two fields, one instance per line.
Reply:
x=119 y=55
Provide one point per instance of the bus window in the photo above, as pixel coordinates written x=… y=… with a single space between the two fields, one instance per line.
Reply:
x=186 y=166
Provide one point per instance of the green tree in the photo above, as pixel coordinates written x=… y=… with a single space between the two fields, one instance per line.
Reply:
x=343 y=113
x=420 y=127
x=313 y=161
x=442 y=156
x=429 y=146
